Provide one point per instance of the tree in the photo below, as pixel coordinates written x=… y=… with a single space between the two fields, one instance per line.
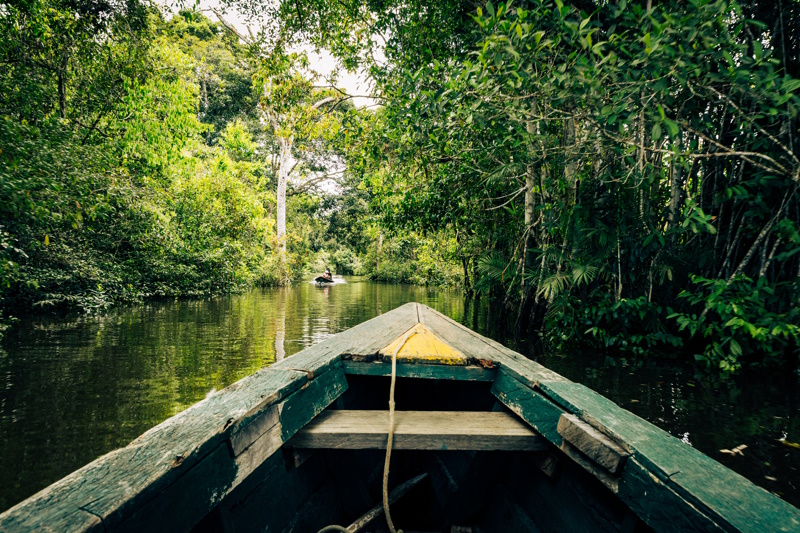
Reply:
x=295 y=112
x=604 y=158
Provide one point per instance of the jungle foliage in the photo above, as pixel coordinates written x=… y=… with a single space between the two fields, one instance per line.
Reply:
x=616 y=176
x=133 y=162
x=620 y=175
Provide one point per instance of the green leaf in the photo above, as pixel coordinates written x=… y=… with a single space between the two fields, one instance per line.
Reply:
x=790 y=85
x=656 y=133
x=672 y=127
x=736 y=349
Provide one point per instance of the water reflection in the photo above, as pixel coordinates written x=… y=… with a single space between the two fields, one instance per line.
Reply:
x=74 y=388
x=280 y=330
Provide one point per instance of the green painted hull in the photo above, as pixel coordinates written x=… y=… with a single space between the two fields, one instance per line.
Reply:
x=228 y=463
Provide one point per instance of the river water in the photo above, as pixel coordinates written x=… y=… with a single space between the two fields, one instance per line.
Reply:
x=73 y=388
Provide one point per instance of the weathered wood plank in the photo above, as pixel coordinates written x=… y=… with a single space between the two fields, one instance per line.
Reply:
x=421 y=345
x=657 y=504
x=248 y=434
x=297 y=411
x=271 y=495
x=58 y=519
x=293 y=414
x=479 y=347
x=683 y=470
x=421 y=371
x=591 y=443
x=611 y=482
x=419 y=430
x=531 y=406
x=197 y=492
x=112 y=486
x=708 y=485
x=661 y=469
x=184 y=503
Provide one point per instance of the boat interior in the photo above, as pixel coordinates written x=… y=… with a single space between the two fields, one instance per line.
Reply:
x=482 y=440
x=490 y=482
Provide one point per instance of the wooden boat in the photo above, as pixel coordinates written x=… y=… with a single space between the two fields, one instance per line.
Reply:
x=321 y=280
x=484 y=440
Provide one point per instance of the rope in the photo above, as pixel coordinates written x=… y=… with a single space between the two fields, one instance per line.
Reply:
x=391 y=436
x=388 y=448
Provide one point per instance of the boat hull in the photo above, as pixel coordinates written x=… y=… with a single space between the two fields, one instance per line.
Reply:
x=236 y=461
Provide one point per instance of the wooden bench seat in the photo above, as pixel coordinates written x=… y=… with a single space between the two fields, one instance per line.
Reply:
x=419 y=430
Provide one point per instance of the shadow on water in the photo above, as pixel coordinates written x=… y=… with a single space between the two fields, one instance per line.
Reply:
x=74 y=388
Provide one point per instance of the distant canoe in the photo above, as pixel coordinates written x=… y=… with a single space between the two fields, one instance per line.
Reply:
x=485 y=440
x=323 y=279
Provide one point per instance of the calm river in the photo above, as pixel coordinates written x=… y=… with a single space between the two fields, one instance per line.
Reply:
x=74 y=388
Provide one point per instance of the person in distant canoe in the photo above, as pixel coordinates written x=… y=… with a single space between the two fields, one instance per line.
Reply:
x=327 y=274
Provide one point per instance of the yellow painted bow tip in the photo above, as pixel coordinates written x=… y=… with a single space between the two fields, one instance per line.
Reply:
x=424 y=347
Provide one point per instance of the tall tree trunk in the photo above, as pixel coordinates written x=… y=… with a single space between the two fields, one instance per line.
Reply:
x=530 y=185
x=644 y=182
x=379 y=251
x=570 y=165
x=527 y=254
x=283 y=176
x=467 y=285
x=677 y=186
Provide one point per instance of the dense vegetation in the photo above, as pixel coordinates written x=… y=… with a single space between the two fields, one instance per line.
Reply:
x=133 y=162
x=613 y=175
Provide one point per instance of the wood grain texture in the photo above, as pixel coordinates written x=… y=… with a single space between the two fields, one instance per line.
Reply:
x=667 y=483
x=420 y=345
x=591 y=443
x=478 y=347
x=732 y=501
x=419 y=430
x=293 y=414
x=530 y=405
x=411 y=370
x=658 y=505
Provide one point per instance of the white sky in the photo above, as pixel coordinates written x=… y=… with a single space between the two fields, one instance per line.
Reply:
x=323 y=63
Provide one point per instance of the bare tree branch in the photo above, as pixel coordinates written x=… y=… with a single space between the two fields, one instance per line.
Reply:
x=312 y=182
x=231 y=27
